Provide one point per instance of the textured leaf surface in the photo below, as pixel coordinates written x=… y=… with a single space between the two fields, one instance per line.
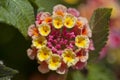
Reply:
x=99 y=24
x=6 y=72
x=18 y=13
x=47 y=5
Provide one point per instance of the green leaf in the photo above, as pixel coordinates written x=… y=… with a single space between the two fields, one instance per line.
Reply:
x=18 y=13
x=100 y=72
x=75 y=75
x=47 y=5
x=99 y=24
x=6 y=72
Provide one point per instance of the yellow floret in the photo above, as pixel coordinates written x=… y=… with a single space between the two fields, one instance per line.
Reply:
x=39 y=42
x=44 y=29
x=69 y=57
x=58 y=22
x=44 y=53
x=69 y=21
x=54 y=62
x=82 y=41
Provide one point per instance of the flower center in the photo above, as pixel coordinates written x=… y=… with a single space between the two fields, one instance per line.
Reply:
x=60 y=40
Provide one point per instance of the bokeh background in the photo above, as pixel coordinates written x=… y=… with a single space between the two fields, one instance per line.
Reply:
x=13 y=47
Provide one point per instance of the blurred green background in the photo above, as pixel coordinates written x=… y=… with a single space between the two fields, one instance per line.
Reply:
x=13 y=47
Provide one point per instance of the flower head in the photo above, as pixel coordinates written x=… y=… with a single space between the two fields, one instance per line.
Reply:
x=44 y=53
x=44 y=29
x=82 y=41
x=54 y=62
x=62 y=41
x=43 y=17
x=39 y=42
x=69 y=21
x=69 y=57
x=58 y=22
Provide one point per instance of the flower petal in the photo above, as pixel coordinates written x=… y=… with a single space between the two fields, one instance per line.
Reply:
x=43 y=67
x=32 y=53
x=82 y=41
x=39 y=42
x=69 y=57
x=44 y=53
x=82 y=55
x=32 y=31
x=79 y=65
x=73 y=11
x=69 y=21
x=62 y=69
x=44 y=29
x=54 y=62
x=59 y=10
x=58 y=22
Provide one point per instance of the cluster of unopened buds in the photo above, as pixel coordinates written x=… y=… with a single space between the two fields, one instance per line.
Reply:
x=60 y=41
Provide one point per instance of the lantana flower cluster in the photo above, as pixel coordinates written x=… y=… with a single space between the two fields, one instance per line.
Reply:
x=60 y=40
